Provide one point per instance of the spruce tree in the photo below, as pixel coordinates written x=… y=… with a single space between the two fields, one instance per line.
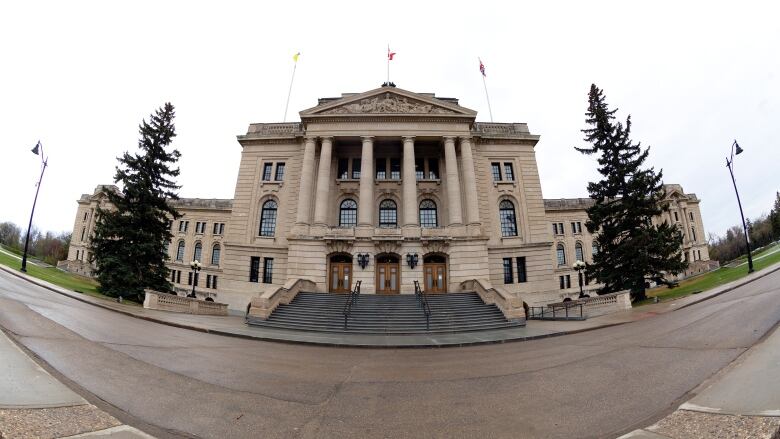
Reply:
x=774 y=217
x=130 y=239
x=631 y=248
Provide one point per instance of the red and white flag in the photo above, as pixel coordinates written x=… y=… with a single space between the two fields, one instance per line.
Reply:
x=390 y=54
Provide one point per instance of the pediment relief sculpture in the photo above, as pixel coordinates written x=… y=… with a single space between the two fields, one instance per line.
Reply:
x=388 y=104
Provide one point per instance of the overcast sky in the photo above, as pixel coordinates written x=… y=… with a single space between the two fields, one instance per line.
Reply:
x=80 y=76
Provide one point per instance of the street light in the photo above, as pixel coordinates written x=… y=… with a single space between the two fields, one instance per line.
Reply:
x=736 y=150
x=195 y=265
x=44 y=163
x=579 y=266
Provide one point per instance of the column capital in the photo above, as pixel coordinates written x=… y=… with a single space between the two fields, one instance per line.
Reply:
x=465 y=139
x=408 y=138
x=449 y=138
x=367 y=138
x=326 y=138
x=310 y=138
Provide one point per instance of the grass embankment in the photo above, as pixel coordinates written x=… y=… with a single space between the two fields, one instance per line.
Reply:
x=70 y=281
x=768 y=256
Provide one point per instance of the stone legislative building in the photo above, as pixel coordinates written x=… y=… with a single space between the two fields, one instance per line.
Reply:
x=386 y=187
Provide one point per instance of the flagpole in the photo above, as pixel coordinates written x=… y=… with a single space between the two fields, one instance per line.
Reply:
x=286 y=105
x=388 y=64
x=488 y=98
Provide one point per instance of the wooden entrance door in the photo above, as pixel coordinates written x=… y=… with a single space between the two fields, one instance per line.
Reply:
x=340 y=274
x=435 y=271
x=388 y=273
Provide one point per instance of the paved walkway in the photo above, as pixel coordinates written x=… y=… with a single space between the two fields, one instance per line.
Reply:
x=234 y=325
x=33 y=404
x=742 y=400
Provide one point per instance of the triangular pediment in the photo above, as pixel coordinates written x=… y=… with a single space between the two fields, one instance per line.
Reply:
x=388 y=101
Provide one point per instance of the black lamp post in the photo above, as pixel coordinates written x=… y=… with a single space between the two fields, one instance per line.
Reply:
x=579 y=266
x=44 y=163
x=412 y=259
x=736 y=150
x=195 y=265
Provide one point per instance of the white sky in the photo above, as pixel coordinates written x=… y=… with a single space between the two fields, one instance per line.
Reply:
x=80 y=76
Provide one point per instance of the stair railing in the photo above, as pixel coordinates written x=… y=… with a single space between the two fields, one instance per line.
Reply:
x=423 y=302
x=351 y=300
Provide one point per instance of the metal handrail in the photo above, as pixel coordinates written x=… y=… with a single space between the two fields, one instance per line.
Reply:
x=549 y=312
x=353 y=296
x=423 y=301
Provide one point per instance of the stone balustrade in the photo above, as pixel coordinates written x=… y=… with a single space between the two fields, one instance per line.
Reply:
x=264 y=305
x=173 y=303
x=509 y=304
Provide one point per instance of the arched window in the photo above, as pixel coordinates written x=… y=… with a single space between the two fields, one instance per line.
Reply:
x=578 y=252
x=506 y=212
x=198 y=253
x=268 y=218
x=388 y=214
x=561 y=253
x=180 y=251
x=428 y=214
x=348 y=213
x=215 y=252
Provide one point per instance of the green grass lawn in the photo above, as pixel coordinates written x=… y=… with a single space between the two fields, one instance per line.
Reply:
x=60 y=278
x=715 y=278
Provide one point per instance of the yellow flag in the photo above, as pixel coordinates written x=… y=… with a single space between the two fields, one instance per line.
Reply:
x=295 y=57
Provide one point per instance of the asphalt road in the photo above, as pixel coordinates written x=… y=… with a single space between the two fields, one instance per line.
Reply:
x=594 y=384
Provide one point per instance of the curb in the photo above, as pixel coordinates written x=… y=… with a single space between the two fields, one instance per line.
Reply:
x=42 y=284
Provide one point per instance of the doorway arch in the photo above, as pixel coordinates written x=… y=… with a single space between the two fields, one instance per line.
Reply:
x=435 y=273
x=340 y=273
x=388 y=274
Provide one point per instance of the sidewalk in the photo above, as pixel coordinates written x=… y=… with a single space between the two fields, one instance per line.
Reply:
x=234 y=326
x=742 y=401
x=33 y=404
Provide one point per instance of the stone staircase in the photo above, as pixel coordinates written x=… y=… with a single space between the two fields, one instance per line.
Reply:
x=375 y=314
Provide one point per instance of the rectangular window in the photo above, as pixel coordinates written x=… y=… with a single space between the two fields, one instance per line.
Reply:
x=586 y=277
x=279 y=172
x=676 y=218
x=690 y=214
x=267 y=171
x=560 y=228
x=508 y=276
x=419 y=169
x=183 y=226
x=208 y=281
x=83 y=232
x=509 y=172
x=521 y=274
x=433 y=169
x=381 y=169
x=562 y=282
x=693 y=234
x=189 y=278
x=395 y=169
x=555 y=228
x=568 y=281
x=221 y=228
x=343 y=169
x=268 y=270
x=178 y=276
x=579 y=226
x=196 y=278
x=573 y=228
x=85 y=215
x=173 y=275
x=214 y=282
x=216 y=229
x=254 y=269
x=356 y=163
x=496 y=169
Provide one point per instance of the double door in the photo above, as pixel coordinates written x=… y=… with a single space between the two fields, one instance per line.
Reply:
x=387 y=275
x=340 y=277
x=435 y=277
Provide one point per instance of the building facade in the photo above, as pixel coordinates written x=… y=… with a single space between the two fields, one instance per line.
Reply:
x=386 y=187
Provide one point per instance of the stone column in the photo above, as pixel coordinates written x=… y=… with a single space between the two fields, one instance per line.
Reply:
x=323 y=183
x=307 y=175
x=409 y=183
x=453 y=182
x=469 y=181
x=366 y=206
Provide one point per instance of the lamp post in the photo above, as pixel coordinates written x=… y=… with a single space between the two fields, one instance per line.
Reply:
x=195 y=265
x=44 y=163
x=736 y=150
x=579 y=266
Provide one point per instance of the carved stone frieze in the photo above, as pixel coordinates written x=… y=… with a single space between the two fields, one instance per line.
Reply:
x=388 y=247
x=435 y=246
x=339 y=246
x=388 y=104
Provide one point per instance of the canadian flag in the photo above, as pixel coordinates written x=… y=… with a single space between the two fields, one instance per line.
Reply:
x=390 y=54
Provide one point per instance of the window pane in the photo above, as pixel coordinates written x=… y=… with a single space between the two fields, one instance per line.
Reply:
x=180 y=251
x=395 y=169
x=268 y=268
x=521 y=275
x=348 y=213
x=509 y=172
x=433 y=169
x=578 y=252
x=267 y=171
x=268 y=219
x=215 y=253
x=381 y=169
x=496 y=170
x=254 y=269
x=343 y=171
x=508 y=277
x=428 y=217
x=198 y=252
x=388 y=214
x=506 y=211
x=356 y=168
x=561 y=254
x=419 y=169
x=279 y=171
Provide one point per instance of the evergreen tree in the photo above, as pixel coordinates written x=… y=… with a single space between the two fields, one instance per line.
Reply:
x=130 y=239
x=774 y=218
x=631 y=248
